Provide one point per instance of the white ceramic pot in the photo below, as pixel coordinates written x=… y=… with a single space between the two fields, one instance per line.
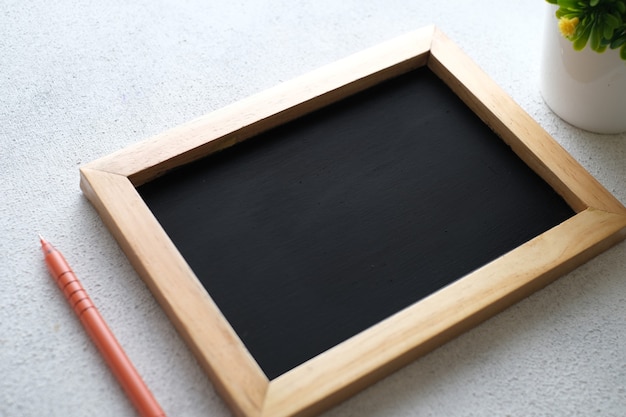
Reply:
x=584 y=88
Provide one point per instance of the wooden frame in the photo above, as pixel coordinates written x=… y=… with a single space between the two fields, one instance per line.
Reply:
x=110 y=184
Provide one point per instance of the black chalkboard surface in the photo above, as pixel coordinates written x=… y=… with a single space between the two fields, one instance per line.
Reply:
x=316 y=230
x=315 y=237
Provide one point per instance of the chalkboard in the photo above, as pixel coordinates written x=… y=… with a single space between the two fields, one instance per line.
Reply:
x=312 y=238
x=318 y=229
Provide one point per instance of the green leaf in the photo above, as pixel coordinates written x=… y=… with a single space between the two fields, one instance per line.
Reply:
x=568 y=15
x=612 y=21
x=622 y=52
x=569 y=4
x=600 y=49
x=607 y=31
x=582 y=37
x=618 y=42
x=596 y=36
x=594 y=3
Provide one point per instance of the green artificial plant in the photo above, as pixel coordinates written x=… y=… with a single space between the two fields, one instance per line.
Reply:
x=599 y=23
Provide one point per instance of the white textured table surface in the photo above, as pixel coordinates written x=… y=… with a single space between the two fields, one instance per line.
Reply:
x=81 y=79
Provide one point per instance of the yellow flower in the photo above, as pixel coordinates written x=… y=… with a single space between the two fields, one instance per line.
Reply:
x=568 y=26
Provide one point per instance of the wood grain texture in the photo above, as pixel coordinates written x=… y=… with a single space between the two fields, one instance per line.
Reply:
x=109 y=183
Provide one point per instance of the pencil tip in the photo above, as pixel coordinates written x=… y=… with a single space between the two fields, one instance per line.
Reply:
x=41 y=239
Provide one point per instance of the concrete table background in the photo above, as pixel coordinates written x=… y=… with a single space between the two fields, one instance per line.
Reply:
x=81 y=79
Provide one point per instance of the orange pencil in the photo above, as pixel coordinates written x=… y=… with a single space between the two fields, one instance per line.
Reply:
x=107 y=344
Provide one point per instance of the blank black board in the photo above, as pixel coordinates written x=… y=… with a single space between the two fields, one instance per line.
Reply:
x=316 y=230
